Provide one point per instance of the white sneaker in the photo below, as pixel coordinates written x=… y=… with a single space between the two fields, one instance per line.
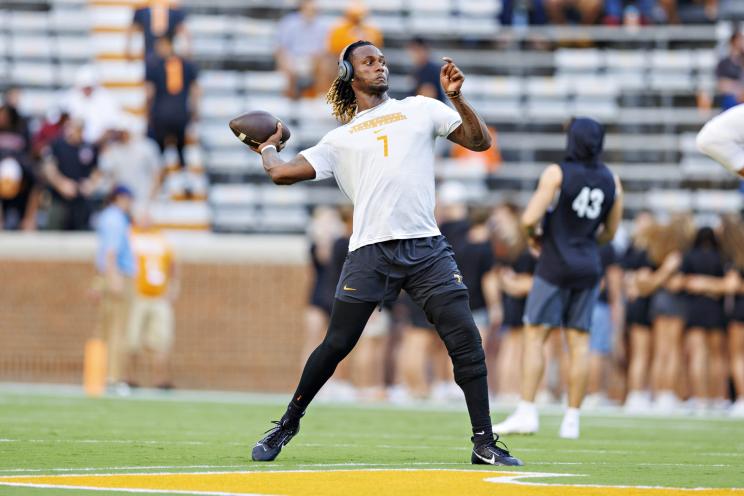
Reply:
x=637 y=402
x=595 y=401
x=666 y=402
x=737 y=410
x=523 y=421
x=697 y=406
x=570 y=425
x=720 y=404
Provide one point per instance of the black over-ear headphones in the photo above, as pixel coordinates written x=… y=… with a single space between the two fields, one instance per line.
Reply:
x=345 y=69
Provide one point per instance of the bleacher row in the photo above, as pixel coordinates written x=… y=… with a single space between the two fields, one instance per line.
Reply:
x=42 y=49
x=645 y=96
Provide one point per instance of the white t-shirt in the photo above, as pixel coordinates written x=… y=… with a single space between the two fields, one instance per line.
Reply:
x=383 y=161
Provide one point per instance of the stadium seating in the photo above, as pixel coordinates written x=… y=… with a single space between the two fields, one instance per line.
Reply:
x=642 y=84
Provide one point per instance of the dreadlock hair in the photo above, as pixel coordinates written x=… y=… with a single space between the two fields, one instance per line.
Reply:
x=340 y=95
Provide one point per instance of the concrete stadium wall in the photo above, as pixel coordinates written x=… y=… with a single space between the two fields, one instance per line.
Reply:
x=238 y=318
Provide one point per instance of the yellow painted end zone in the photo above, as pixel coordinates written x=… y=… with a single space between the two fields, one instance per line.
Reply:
x=344 y=483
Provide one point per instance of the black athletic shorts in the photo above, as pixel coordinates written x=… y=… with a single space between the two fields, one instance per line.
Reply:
x=705 y=313
x=638 y=312
x=513 y=311
x=424 y=267
x=737 y=315
x=414 y=313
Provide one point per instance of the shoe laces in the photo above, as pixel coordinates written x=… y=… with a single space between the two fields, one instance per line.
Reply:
x=274 y=436
x=495 y=445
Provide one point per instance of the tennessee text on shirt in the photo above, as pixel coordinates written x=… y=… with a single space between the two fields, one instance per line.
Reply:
x=377 y=122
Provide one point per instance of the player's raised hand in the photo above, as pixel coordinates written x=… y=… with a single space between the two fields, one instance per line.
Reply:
x=451 y=77
x=275 y=139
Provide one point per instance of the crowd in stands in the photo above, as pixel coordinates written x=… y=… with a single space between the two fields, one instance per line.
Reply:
x=608 y=12
x=668 y=328
x=56 y=171
x=307 y=47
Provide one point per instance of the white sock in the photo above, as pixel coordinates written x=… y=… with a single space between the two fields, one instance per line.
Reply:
x=572 y=414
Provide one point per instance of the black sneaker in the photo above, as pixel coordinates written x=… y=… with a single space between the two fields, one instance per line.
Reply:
x=268 y=448
x=490 y=454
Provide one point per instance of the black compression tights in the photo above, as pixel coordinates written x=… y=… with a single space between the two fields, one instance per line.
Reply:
x=345 y=328
x=451 y=315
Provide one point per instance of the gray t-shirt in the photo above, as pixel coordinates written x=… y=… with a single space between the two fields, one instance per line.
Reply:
x=135 y=164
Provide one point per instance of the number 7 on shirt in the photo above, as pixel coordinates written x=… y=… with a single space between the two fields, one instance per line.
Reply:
x=384 y=140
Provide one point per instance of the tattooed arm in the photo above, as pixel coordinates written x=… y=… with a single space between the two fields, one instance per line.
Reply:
x=472 y=133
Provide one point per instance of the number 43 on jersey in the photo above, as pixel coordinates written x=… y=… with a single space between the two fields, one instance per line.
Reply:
x=588 y=203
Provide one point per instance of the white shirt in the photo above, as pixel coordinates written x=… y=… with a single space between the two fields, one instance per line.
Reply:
x=99 y=112
x=383 y=161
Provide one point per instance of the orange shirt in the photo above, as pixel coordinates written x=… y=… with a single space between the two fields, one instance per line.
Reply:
x=154 y=260
x=490 y=159
x=345 y=33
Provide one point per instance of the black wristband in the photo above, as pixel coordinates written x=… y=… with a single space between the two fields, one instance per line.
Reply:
x=453 y=94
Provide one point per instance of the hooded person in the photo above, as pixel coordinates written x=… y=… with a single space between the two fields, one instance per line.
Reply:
x=576 y=208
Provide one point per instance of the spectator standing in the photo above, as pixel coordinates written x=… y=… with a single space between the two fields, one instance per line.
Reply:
x=638 y=270
x=92 y=104
x=606 y=331
x=514 y=273
x=172 y=96
x=133 y=160
x=667 y=308
x=70 y=168
x=730 y=73
x=151 y=322
x=116 y=268
x=300 y=47
x=733 y=245
x=157 y=19
x=49 y=129
x=425 y=73
x=12 y=99
x=351 y=28
x=704 y=284
x=19 y=195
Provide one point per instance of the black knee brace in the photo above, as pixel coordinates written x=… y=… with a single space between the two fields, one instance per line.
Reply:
x=450 y=314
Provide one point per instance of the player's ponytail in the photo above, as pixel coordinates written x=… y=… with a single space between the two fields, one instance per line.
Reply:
x=341 y=95
x=342 y=100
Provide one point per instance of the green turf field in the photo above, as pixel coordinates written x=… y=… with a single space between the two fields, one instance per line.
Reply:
x=45 y=433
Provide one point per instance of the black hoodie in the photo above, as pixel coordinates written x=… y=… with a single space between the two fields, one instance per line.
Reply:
x=570 y=253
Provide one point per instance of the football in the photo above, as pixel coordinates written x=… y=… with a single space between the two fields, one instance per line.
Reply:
x=255 y=127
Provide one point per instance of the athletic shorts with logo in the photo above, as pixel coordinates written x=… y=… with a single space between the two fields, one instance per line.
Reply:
x=553 y=306
x=423 y=267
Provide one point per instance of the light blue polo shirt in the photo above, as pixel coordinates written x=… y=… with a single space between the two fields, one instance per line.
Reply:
x=113 y=235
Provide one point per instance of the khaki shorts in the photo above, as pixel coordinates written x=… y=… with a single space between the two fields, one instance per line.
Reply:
x=150 y=325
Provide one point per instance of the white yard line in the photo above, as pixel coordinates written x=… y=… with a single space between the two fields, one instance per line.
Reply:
x=126 y=490
x=332 y=445
x=92 y=470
